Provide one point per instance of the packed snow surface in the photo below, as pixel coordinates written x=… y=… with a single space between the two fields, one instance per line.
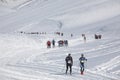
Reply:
x=25 y=56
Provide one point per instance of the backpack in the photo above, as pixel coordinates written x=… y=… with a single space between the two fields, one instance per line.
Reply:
x=68 y=60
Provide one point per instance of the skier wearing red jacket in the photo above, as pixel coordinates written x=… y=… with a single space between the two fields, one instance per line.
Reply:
x=48 y=44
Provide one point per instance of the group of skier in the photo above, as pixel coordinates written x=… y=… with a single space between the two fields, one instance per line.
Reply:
x=69 y=63
x=60 y=43
x=84 y=37
x=96 y=36
x=50 y=42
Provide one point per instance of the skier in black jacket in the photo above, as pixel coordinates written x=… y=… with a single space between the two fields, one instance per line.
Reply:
x=69 y=63
x=53 y=43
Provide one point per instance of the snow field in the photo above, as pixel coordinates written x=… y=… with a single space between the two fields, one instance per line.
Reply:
x=25 y=56
x=24 y=61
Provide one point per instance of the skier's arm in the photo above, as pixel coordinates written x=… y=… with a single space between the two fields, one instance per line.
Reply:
x=85 y=59
x=65 y=59
x=79 y=59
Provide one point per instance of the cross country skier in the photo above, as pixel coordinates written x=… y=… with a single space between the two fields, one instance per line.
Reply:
x=82 y=60
x=69 y=63
x=53 y=43
x=66 y=42
x=48 y=44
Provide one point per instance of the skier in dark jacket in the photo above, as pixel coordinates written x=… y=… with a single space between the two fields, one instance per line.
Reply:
x=66 y=42
x=82 y=60
x=53 y=43
x=69 y=63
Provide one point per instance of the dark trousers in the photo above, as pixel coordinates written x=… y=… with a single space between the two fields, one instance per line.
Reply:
x=53 y=44
x=82 y=67
x=68 y=66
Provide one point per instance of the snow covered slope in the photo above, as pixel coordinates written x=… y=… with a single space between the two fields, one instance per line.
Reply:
x=12 y=3
x=68 y=13
x=24 y=56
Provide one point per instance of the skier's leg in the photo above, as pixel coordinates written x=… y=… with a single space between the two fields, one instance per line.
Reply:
x=66 y=68
x=70 y=69
x=82 y=68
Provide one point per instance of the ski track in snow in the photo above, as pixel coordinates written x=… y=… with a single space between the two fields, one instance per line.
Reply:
x=33 y=64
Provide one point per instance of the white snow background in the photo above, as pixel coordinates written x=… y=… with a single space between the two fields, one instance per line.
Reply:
x=25 y=56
